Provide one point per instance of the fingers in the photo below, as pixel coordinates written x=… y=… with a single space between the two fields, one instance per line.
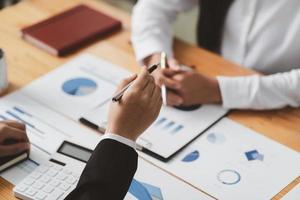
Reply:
x=156 y=97
x=8 y=132
x=171 y=72
x=7 y=150
x=164 y=80
x=150 y=87
x=174 y=99
x=15 y=124
x=126 y=82
x=173 y=64
x=142 y=79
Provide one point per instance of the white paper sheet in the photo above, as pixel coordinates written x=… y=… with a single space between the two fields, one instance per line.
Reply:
x=84 y=87
x=46 y=131
x=173 y=128
x=160 y=185
x=77 y=86
x=217 y=163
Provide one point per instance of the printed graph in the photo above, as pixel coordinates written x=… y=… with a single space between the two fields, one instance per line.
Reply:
x=145 y=191
x=79 y=87
x=194 y=155
x=254 y=155
x=168 y=125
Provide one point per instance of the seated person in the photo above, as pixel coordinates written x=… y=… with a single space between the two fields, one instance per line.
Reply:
x=262 y=35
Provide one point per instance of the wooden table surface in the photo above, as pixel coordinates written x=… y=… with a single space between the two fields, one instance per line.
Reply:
x=27 y=63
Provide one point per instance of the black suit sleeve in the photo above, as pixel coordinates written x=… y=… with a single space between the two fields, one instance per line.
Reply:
x=108 y=173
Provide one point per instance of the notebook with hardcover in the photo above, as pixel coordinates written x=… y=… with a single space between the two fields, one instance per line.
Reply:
x=70 y=30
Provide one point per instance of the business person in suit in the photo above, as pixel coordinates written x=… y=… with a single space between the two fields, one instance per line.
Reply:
x=110 y=170
x=11 y=130
x=258 y=34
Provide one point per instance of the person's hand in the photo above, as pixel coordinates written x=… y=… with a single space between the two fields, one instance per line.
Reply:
x=16 y=132
x=164 y=77
x=197 y=89
x=138 y=108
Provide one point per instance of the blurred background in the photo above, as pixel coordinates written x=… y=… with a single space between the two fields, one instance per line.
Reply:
x=182 y=29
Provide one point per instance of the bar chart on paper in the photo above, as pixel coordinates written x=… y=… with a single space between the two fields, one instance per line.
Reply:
x=174 y=128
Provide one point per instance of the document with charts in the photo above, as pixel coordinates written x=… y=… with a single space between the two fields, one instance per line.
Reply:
x=46 y=130
x=230 y=161
x=84 y=86
x=152 y=183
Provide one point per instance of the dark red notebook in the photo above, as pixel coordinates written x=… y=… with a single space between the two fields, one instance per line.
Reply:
x=69 y=30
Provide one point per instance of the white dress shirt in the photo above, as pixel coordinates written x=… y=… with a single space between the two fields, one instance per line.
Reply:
x=260 y=34
x=120 y=139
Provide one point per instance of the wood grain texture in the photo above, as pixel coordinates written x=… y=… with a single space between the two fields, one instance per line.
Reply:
x=27 y=63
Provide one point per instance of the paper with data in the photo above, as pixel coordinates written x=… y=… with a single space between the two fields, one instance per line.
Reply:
x=84 y=86
x=230 y=161
x=77 y=86
x=151 y=183
x=173 y=128
x=46 y=131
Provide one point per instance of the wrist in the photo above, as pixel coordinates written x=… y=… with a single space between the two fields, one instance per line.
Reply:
x=152 y=59
x=216 y=96
x=122 y=133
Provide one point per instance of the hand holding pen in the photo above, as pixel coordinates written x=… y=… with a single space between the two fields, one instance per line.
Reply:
x=119 y=95
x=138 y=108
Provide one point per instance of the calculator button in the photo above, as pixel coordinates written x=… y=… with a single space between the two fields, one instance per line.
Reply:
x=38 y=185
x=21 y=188
x=57 y=168
x=40 y=196
x=64 y=186
x=45 y=179
x=71 y=180
x=49 y=164
x=29 y=181
x=52 y=173
x=55 y=195
x=76 y=175
x=42 y=169
x=55 y=183
x=68 y=172
x=36 y=175
x=61 y=177
x=48 y=189
x=31 y=192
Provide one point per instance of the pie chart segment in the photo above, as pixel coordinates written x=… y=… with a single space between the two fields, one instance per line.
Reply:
x=79 y=87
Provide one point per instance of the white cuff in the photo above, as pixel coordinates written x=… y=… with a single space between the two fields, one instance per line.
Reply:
x=230 y=92
x=145 y=48
x=120 y=139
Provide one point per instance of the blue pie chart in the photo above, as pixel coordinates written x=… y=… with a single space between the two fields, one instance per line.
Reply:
x=79 y=86
x=191 y=156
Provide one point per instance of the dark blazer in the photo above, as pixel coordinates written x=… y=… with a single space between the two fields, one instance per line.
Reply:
x=108 y=173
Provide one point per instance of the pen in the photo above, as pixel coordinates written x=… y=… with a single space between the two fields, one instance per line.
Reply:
x=163 y=65
x=118 y=96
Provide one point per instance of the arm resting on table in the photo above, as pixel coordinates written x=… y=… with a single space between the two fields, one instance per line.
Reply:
x=108 y=173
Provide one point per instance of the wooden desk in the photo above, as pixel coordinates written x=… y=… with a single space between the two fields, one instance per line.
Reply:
x=27 y=63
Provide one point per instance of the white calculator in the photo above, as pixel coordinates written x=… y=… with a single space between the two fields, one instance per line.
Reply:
x=56 y=178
